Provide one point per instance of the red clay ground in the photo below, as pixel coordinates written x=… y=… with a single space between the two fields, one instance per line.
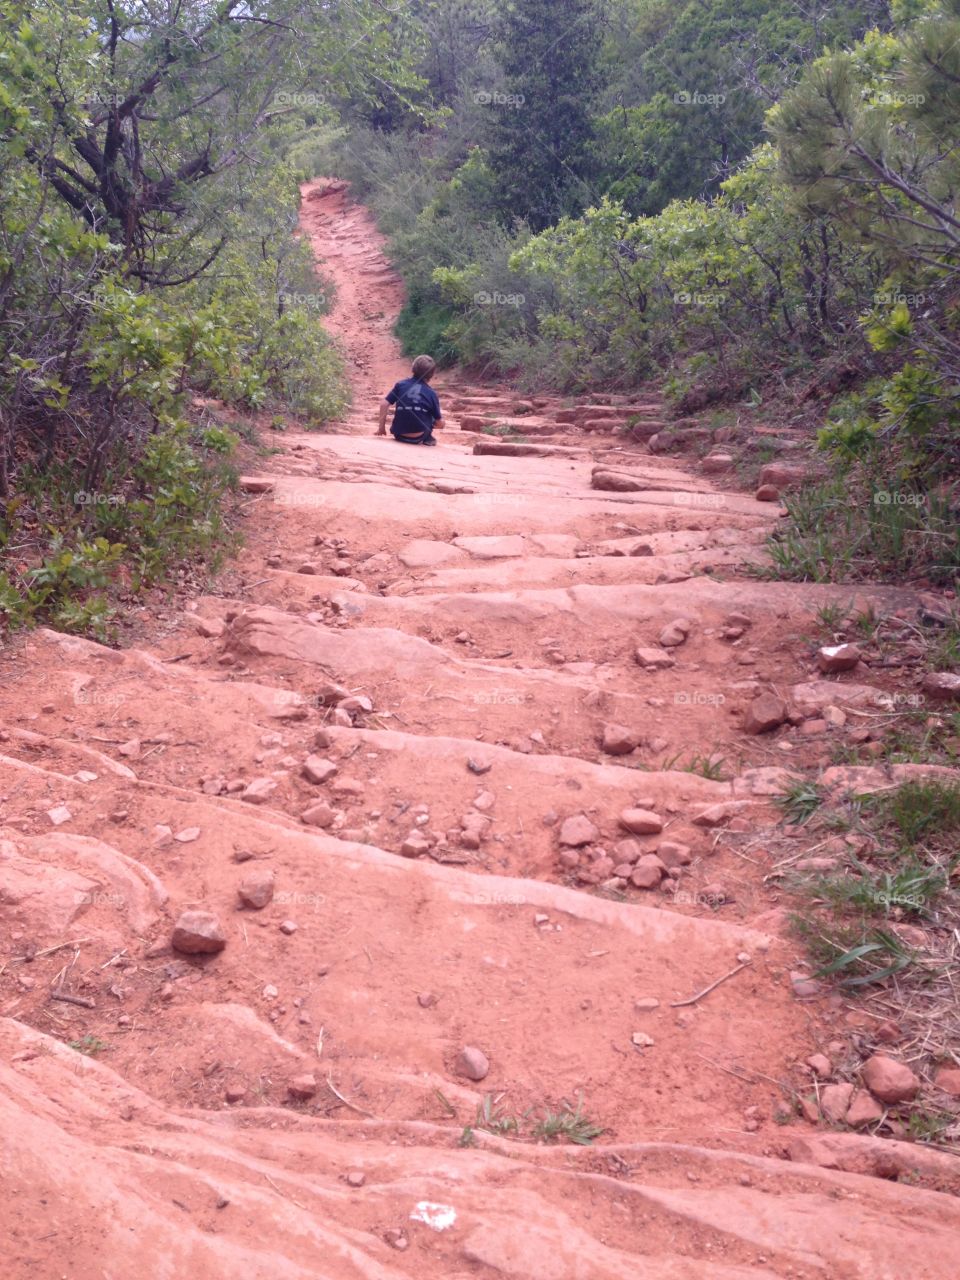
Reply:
x=395 y=701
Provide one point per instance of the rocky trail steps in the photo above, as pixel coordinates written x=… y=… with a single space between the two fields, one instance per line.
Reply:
x=404 y=836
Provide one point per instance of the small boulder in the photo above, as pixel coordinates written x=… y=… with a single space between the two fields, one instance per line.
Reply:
x=948 y=1079
x=317 y=770
x=863 y=1110
x=944 y=685
x=255 y=890
x=782 y=475
x=834 y=1101
x=674 y=634
x=618 y=740
x=717 y=463
x=641 y=822
x=577 y=831
x=648 y=872
x=472 y=1063
x=210 y=628
x=258 y=791
x=627 y=851
x=820 y=1065
x=764 y=714
x=890 y=1081
x=318 y=815
x=415 y=845
x=811 y=728
x=767 y=493
x=837 y=657
x=717 y=815
x=356 y=704
x=303 y=1087
x=198 y=933
x=654 y=659
x=673 y=854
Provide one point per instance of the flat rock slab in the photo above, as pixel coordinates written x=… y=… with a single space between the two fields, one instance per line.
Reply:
x=632 y=482
x=423 y=553
x=518 y=449
x=563 y=545
x=813 y=695
x=518 y=1217
x=494 y=548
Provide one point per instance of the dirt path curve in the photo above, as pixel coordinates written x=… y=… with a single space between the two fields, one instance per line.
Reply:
x=368 y=293
x=453 y=773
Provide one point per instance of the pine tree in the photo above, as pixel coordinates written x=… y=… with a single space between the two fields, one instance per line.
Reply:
x=542 y=120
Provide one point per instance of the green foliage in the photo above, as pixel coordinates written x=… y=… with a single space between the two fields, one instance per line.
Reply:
x=867 y=522
x=800 y=801
x=908 y=843
x=66 y=570
x=909 y=890
x=864 y=138
x=147 y=253
x=422 y=326
x=90 y=1045
x=570 y=1123
x=492 y=1116
x=865 y=958
x=542 y=129
x=719 y=288
x=920 y=812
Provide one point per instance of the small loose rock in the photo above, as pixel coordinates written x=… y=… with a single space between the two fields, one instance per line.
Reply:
x=641 y=822
x=256 y=889
x=578 y=831
x=890 y=1081
x=472 y=1063
x=198 y=933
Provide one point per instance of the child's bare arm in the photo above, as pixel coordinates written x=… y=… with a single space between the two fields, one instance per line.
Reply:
x=384 y=410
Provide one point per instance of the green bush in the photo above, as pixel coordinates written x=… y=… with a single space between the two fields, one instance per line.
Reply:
x=148 y=254
x=423 y=325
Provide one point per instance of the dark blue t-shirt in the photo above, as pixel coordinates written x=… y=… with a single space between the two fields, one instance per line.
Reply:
x=418 y=407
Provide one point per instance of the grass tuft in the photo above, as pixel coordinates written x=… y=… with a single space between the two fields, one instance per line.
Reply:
x=569 y=1123
x=800 y=801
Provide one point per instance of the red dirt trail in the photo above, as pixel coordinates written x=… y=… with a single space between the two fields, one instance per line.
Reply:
x=390 y=719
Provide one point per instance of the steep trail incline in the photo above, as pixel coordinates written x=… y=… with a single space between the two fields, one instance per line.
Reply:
x=455 y=772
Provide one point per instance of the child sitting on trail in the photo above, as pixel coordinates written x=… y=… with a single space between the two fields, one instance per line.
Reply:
x=417 y=406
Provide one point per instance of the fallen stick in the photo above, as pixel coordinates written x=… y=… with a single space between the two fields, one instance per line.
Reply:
x=679 y=1004
x=283 y=1193
x=48 y=951
x=67 y=998
x=346 y=1102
